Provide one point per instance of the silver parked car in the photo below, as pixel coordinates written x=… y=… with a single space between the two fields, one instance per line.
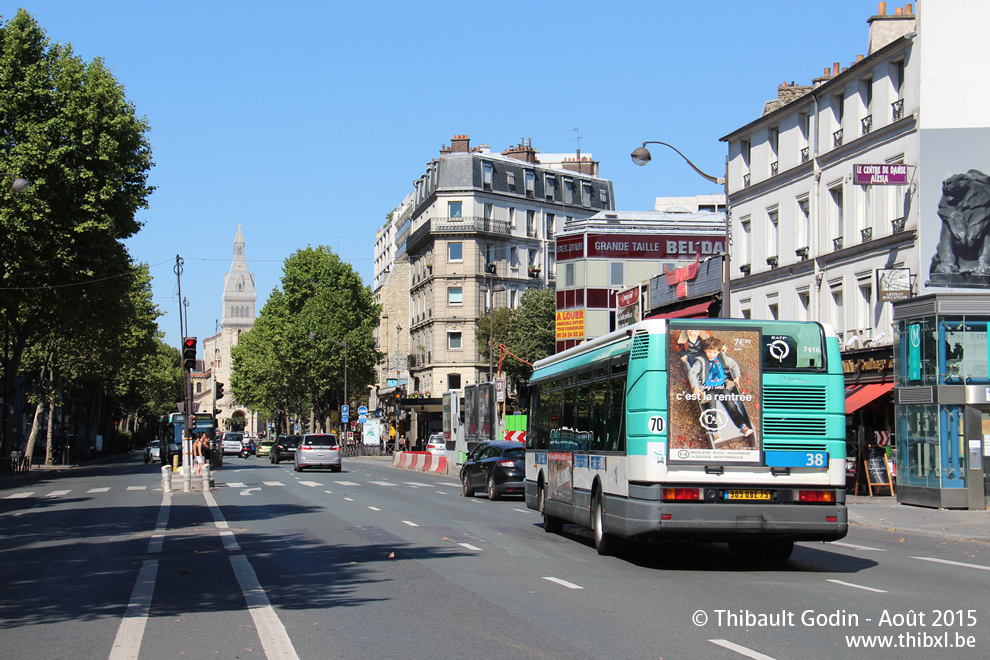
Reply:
x=152 y=451
x=318 y=450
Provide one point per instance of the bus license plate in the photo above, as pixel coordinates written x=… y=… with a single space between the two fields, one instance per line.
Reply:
x=748 y=495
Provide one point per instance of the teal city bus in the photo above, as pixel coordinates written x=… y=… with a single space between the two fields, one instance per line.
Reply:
x=729 y=430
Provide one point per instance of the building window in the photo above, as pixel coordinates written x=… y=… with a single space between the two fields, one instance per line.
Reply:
x=586 y=191
x=773 y=139
x=773 y=234
x=514 y=257
x=804 y=303
x=568 y=274
x=837 y=311
x=837 y=216
x=551 y=220
x=803 y=224
x=513 y=296
x=897 y=78
x=486 y=176
x=512 y=217
x=454 y=341
x=455 y=251
x=531 y=223
x=490 y=255
x=866 y=98
x=864 y=306
x=550 y=183
x=454 y=209
x=616 y=273
x=568 y=191
x=455 y=295
x=530 y=183
x=199 y=388
x=746 y=241
x=532 y=259
x=510 y=180
x=746 y=151
x=603 y=196
x=773 y=310
x=453 y=381
x=489 y=210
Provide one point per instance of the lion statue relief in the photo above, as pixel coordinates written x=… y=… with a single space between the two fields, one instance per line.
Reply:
x=964 y=243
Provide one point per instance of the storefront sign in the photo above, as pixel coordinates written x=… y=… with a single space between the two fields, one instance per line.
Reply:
x=628 y=307
x=880 y=175
x=640 y=246
x=893 y=284
x=570 y=325
x=570 y=247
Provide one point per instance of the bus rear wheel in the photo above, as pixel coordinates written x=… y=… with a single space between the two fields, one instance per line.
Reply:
x=551 y=524
x=605 y=543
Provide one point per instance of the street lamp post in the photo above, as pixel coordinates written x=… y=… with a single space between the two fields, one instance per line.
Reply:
x=19 y=185
x=641 y=156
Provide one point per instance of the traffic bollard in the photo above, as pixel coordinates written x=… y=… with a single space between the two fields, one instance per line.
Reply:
x=175 y=462
x=166 y=478
x=207 y=481
x=186 y=478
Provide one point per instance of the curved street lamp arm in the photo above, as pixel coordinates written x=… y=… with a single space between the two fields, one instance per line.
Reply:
x=708 y=177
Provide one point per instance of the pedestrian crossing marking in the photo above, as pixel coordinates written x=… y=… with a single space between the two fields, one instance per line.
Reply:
x=273 y=483
x=236 y=484
x=311 y=484
x=137 y=488
x=383 y=483
x=98 y=490
x=346 y=483
x=416 y=484
x=58 y=493
x=20 y=496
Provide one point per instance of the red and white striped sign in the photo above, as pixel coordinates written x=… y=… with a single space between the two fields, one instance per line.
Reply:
x=515 y=436
x=882 y=438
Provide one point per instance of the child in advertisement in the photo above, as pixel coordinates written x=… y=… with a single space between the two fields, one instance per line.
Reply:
x=714 y=378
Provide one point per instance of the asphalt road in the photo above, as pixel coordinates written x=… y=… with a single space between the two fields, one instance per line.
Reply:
x=375 y=562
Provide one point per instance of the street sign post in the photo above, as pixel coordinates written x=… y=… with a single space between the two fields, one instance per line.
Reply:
x=344 y=410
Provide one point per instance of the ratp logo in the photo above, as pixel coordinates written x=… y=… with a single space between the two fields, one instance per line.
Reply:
x=914 y=335
x=778 y=349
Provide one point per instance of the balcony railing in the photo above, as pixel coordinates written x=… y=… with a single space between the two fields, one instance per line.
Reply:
x=897 y=224
x=458 y=225
x=531 y=232
x=746 y=179
x=805 y=154
x=837 y=243
x=772 y=262
x=774 y=168
x=897 y=109
x=866 y=124
x=837 y=138
x=867 y=234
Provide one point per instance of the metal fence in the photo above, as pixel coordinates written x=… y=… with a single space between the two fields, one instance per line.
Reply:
x=14 y=463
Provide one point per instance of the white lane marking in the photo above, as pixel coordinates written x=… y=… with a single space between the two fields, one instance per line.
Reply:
x=563 y=583
x=348 y=499
x=311 y=484
x=329 y=492
x=131 y=630
x=953 y=563
x=374 y=508
x=346 y=483
x=382 y=483
x=857 y=586
x=440 y=492
x=270 y=629
x=218 y=518
x=741 y=650
x=448 y=483
x=856 y=547
x=20 y=496
x=247 y=491
x=137 y=488
x=469 y=547
x=236 y=484
x=155 y=544
x=416 y=484
x=230 y=543
x=521 y=510
x=58 y=493
x=410 y=523
x=98 y=490
x=273 y=483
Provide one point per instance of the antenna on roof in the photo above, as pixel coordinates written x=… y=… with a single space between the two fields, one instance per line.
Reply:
x=577 y=137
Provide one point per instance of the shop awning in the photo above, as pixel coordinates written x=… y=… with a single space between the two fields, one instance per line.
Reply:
x=699 y=311
x=858 y=396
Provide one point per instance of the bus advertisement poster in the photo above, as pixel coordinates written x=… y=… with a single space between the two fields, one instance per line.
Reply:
x=561 y=469
x=715 y=398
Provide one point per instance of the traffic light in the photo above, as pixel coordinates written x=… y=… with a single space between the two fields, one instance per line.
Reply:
x=189 y=352
x=219 y=390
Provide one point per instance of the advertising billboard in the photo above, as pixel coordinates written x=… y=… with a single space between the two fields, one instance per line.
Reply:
x=714 y=395
x=628 y=307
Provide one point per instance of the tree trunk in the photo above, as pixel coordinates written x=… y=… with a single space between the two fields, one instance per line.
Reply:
x=35 y=427
x=50 y=452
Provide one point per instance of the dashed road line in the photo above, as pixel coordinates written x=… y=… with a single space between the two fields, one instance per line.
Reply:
x=953 y=563
x=410 y=523
x=741 y=650
x=273 y=483
x=311 y=484
x=856 y=547
x=98 y=490
x=349 y=499
x=58 y=493
x=382 y=483
x=563 y=583
x=521 y=510
x=857 y=586
x=346 y=483
x=374 y=508
x=21 y=496
x=469 y=547
x=236 y=484
x=440 y=492
x=137 y=488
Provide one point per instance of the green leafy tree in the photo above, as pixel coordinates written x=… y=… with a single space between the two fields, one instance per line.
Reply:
x=533 y=333
x=496 y=323
x=66 y=126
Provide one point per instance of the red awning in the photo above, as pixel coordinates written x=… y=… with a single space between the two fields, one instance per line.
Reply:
x=859 y=396
x=699 y=311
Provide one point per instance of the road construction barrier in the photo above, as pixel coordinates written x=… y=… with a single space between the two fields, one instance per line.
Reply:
x=167 y=478
x=422 y=461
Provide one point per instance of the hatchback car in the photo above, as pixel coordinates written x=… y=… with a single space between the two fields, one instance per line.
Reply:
x=232 y=442
x=265 y=448
x=284 y=448
x=318 y=450
x=497 y=467
x=436 y=445
x=152 y=451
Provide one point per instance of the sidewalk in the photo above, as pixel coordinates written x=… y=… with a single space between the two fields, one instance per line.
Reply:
x=884 y=512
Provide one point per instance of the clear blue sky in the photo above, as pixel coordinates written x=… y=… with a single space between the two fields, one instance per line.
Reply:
x=307 y=122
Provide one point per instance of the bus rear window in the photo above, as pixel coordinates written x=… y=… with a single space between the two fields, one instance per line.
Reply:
x=795 y=347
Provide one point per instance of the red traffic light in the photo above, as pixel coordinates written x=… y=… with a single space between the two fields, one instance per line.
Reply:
x=189 y=352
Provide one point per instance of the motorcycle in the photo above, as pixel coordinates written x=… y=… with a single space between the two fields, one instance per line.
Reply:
x=245 y=451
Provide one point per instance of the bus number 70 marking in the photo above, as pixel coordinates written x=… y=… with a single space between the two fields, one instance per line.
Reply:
x=657 y=425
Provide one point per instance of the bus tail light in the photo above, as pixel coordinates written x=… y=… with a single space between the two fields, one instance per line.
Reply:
x=818 y=496
x=681 y=494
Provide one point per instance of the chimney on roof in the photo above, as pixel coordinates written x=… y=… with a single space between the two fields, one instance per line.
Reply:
x=885 y=28
x=524 y=151
x=460 y=144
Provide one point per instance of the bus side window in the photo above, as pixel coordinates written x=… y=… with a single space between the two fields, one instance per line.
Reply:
x=616 y=413
x=584 y=419
x=599 y=428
